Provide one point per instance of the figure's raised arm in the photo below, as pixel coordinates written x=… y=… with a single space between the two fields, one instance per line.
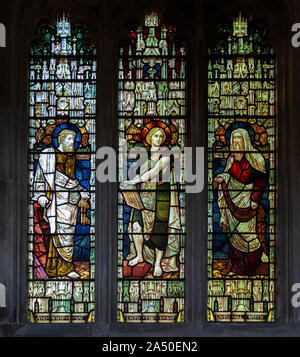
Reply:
x=151 y=174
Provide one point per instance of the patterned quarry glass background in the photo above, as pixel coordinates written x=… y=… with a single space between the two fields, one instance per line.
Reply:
x=151 y=215
x=241 y=176
x=62 y=110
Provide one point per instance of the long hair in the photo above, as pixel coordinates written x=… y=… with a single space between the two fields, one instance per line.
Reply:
x=152 y=132
x=254 y=157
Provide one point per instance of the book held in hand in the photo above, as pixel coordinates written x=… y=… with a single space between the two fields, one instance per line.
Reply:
x=131 y=196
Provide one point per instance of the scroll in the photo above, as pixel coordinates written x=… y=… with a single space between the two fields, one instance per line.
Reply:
x=132 y=196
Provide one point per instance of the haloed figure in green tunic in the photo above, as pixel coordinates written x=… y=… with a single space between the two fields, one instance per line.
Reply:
x=155 y=229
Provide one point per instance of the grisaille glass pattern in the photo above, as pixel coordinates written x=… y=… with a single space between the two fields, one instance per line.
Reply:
x=151 y=216
x=241 y=176
x=61 y=240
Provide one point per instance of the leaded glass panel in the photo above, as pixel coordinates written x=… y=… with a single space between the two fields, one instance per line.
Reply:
x=61 y=237
x=241 y=176
x=151 y=240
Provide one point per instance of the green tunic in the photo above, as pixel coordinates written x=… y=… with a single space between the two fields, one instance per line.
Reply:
x=159 y=235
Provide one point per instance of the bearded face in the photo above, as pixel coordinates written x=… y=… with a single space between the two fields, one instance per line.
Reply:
x=66 y=141
x=237 y=144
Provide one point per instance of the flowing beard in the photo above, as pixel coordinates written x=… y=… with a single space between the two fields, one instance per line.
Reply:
x=237 y=147
x=68 y=148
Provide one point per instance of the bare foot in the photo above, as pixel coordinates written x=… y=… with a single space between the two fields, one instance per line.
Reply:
x=157 y=271
x=73 y=275
x=169 y=269
x=135 y=261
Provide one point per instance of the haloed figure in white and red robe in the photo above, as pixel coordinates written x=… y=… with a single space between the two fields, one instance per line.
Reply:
x=242 y=216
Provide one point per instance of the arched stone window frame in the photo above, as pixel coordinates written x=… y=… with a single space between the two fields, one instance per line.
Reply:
x=196 y=22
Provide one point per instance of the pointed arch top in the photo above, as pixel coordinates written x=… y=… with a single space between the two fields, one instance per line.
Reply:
x=63 y=39
x=62 y=146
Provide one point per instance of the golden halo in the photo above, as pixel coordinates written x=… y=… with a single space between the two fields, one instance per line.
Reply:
x=170 y=132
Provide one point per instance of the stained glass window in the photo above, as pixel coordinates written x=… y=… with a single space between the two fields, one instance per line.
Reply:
x=151 y=215
x=61 y=240
x=241 y=176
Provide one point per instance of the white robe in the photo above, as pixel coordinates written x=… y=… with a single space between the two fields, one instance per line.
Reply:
x=61 y=211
